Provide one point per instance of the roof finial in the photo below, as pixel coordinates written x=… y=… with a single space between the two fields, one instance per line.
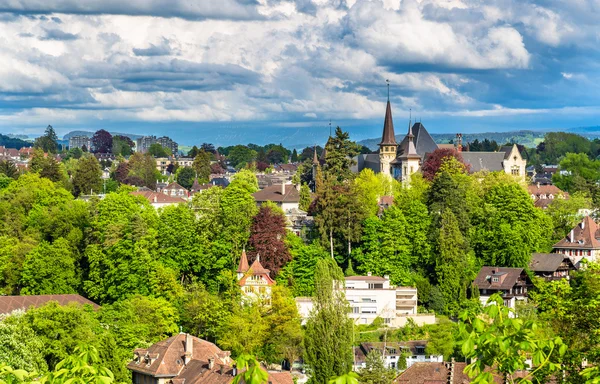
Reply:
x=329 y=127
x=258 y=257
x=388 y=87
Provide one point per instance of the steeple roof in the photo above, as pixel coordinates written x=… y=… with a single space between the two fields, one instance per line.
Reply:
x=243 y=263
x=422 y=140
x=388 y=127
x=411 y=151
x=315 y=157
x=324 y=153
x=257 y=267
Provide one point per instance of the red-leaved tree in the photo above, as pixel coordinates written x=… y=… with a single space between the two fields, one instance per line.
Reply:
x=102 y=141
x=267 y=238
x=435 y=159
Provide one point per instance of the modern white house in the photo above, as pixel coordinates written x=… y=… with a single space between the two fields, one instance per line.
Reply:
x=371 y=297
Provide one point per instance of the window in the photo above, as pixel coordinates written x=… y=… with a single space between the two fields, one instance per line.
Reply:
x=495 y=279
x=355 y=309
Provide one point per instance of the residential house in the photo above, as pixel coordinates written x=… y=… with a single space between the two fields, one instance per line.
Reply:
x=543 y=195
x=392 y=352
x=26 y=152
x=9 y=304
x=286 y=196
x=582 y=242
x=511 y=283
x=158 y=199
x=174 y=189
x=9 y=153
x=285 y=168
x=371 y=297
x=267 y=180
x=551 y=266
x=298 y=221
x=400 y=161
x=185 y=359
x=254 y=280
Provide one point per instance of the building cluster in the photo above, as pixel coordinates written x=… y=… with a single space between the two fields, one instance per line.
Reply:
x=143 y=143
x=81 y=141
x=19 y=157
x=401 y=160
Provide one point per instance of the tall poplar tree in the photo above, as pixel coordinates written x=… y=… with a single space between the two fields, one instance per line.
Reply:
x=451 y=266
x=328 y=334
x=202 y=166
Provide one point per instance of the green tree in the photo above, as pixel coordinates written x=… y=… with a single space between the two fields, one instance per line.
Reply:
x=143 y=166
x=47 y=142
x=185 y=177
x=340 y=153
x=512 y=227
x=580 y=173
x=499 y=345
x=451 y=265
x=8 y=169
x=246 y=179
x=441 y=338
x=122 y=145
x=564 y=213
x=305 y=199
x=50 y=269
x=328 y=333
x=375 y=371
x=285 y=336
x=46 y=166
x=204 y=314
x=88 y=176
x=202 y=166
x=246 y=331
x=20 y=348
x=250 y=371
x=294 y=158
x=157 y=150
x=240 y=156
x=370 y=188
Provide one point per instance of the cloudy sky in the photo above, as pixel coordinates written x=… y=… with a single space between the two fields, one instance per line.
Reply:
x=250 y=70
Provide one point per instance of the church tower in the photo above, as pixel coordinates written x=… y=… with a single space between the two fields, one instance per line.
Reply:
x=410 y=161
x=388 y=145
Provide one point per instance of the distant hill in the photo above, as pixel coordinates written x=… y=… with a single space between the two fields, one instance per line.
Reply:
x=90 y=134
x=11 y=142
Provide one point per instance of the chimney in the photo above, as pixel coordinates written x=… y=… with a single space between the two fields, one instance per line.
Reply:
x=189 y=348
x=282 y=189
x=387 y=277
x=583 y=224
x=451 y=372
x=572 y=235
x=234 y=371
x=222 y=369
x=211 y=363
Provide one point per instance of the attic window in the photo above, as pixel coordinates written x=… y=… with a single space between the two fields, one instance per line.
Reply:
x=495 y=279
x=580 y=241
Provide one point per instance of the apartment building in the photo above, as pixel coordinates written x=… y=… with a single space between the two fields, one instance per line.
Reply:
x=371 y=297
x=80 y=142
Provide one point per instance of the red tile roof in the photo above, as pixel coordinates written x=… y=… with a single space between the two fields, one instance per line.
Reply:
x=508 y=277
x=437 y=373
x=256 y=269
x=585 y=235
x=12 y=303
x=366 y=278
x=243 y=267
x=538 y=190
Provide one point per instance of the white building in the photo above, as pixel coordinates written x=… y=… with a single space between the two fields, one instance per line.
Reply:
x=392 y=352
x=371 y=297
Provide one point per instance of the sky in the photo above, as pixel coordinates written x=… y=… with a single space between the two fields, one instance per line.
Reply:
x=238 y=71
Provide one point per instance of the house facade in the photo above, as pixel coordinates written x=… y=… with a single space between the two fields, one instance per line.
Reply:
x=285 y=196
x=254 y=280
x=551 y=266
x=175 y=190
x=511 y=283
x=582 y=242
x=543 y=195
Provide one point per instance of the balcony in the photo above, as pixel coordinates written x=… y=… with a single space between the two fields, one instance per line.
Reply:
x=406 y=303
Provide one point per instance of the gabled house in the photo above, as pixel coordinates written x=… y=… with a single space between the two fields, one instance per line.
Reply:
x=285 y=196
x=511 y=283
x=551 y=266
x=184 y=359
x=158 y=199
x=583 y=241
x=543 y=195
x=174 y=189
x=254 y=280
x=14 y=303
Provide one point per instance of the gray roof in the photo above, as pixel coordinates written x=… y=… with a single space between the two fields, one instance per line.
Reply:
x=546 y=262
x=363 y=161
x=422 y=139
x=479 y=161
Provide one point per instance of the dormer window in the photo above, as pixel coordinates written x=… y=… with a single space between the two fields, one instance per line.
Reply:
x=495 y=279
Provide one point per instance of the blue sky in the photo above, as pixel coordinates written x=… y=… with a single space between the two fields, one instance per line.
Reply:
x=232 y=71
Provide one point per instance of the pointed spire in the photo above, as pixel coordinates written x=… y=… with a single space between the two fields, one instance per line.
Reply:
x=411 y=152
x=388 y=137
x=243 y=262
x=315 y=157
